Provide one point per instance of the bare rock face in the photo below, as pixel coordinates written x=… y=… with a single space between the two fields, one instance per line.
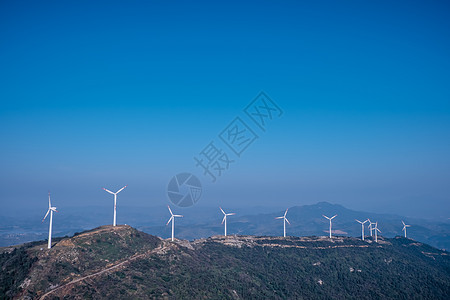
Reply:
x=184 y=243
x=234 y=240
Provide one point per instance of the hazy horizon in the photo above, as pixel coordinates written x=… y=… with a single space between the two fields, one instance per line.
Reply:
x=106 y=209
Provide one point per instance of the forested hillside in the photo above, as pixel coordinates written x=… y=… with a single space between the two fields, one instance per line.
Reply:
x=124 y=263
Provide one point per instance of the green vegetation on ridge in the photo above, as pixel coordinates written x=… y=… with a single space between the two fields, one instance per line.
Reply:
x=128 y=264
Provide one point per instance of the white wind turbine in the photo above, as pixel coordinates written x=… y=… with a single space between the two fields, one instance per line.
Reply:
x=376 y=231
x=362 y=228
x=225 y=219
x=172 y=218
x=115 y=202
x=330 y=221
x=404 y=227
x=284 y=222
x=50 y=210
x=370 y=227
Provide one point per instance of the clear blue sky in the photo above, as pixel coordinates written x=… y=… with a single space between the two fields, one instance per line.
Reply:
x=128 y=92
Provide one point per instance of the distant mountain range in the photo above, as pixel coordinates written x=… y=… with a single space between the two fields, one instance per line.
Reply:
x=202 y=222
x=307 y=220
x=123 y=263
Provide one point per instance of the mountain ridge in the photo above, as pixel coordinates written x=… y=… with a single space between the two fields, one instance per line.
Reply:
x=122 y=262
x=307 y=220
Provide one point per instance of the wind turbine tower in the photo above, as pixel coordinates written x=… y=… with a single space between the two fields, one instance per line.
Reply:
x=376 y=230
x=284 y=222
x=362 y=228
x=172 y=218
x=50 y=210
x=404 y=227
x=370 y=227
x=115 y=202
x=225 y=219
x=330 y=221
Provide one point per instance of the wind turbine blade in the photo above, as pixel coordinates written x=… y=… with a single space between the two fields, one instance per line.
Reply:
x=46 y=215
x=49 y=203
x=222 y=210
x=333 y=216
x=325 y=217
x=108 y=191
x=287 y=221
x=223 y=220
x=179 y=216
x=170 y=210
x=358 y=221
x=279 y=217
x=121 y=189
x=285 y=213
x=169 y=220
x=403 y=223
x=231 y=214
